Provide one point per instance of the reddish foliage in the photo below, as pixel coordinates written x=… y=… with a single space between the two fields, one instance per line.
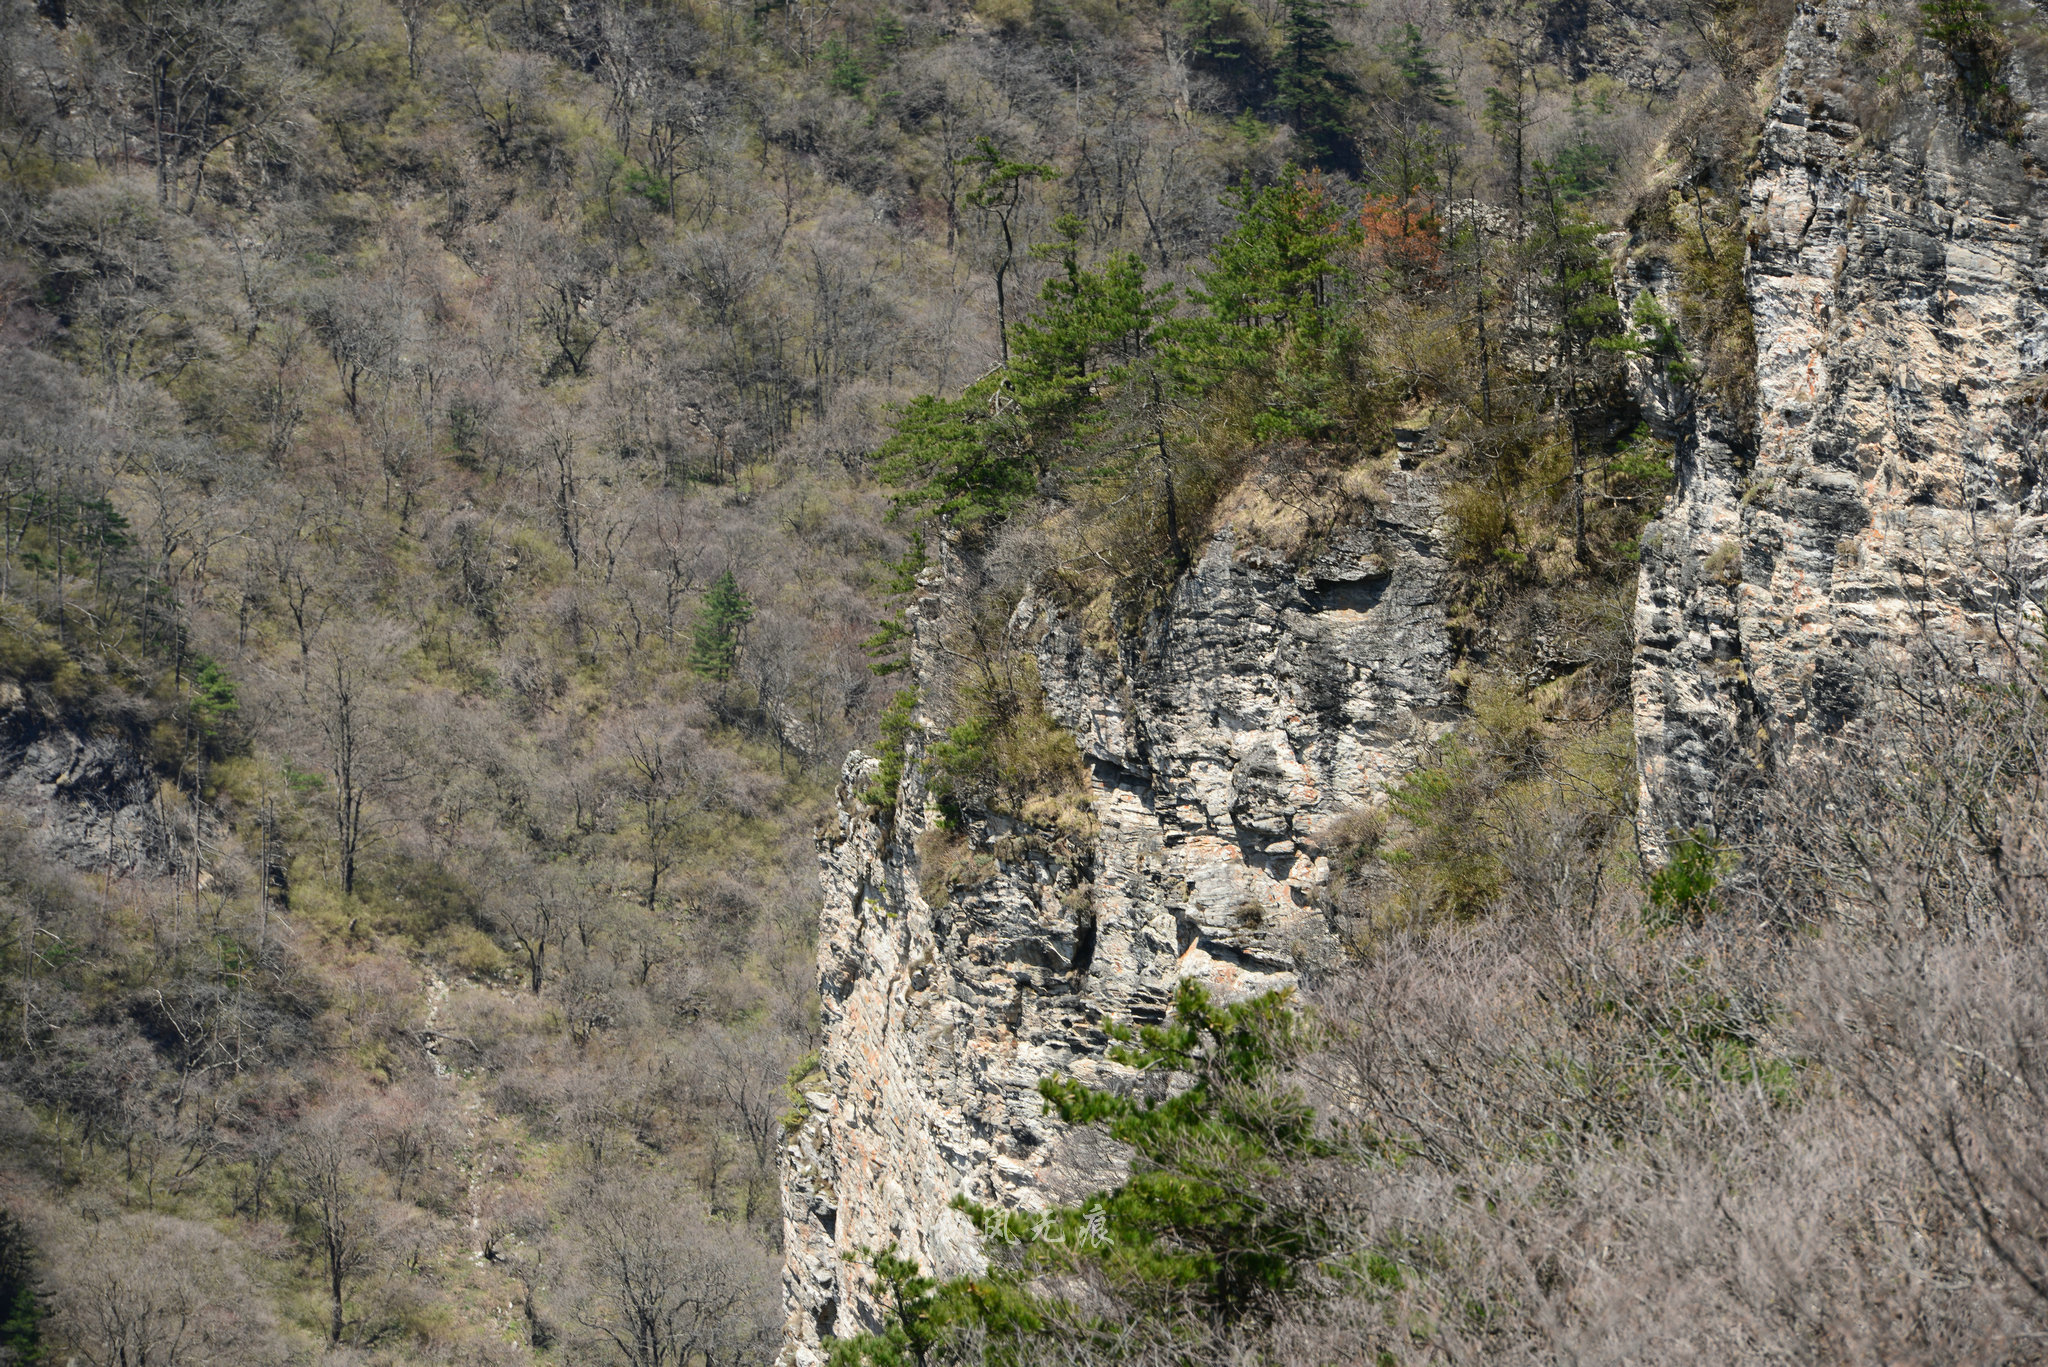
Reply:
x=1399 y=236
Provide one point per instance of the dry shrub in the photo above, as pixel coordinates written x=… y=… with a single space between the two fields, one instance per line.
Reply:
x=1481 y=523
x=1808 y=1129
x=648 y=1279
x=945 y=861
x=151 y=1289
x=1809 y=1126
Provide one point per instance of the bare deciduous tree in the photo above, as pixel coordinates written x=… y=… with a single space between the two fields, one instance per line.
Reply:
x=366 y=753
x=151 y=1291
x=330 y=1179
x=661 y=1284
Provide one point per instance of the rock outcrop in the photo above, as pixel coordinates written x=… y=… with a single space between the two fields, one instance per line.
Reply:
x=1269 y=695
x=88 y=799
x=1889 y=485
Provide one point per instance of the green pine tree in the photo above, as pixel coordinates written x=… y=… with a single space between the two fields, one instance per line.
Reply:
x=1081 y=348
x=1416 y=61
x=1192 y=1221
x=715 y=644
x=888 y=648
x=1583 y=166
x=845 y=73
x=1225 y=39
x=915 y=1320
x=1038 y=419
x=958 y=458
x=1311 y=91
x=1576 y=281
x=21 y=1311
x=215 y=701
x=1271 y=328
x=1205 y=1224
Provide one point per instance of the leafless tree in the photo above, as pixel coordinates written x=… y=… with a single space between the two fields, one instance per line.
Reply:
x=151 y=1291
x=330 y=1181
x=661 y=785
x=366 y=752
x=535 y=909
x=661 y=1284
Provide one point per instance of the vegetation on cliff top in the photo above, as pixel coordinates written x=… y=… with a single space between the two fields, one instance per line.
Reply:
x=451 y=445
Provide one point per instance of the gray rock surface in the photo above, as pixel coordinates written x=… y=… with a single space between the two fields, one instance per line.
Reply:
x=1266 y=698
x=87 y=799
x=1889 y=485
x=1896 y=275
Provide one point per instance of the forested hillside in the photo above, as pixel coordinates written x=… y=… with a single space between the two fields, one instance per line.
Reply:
x=462 y=465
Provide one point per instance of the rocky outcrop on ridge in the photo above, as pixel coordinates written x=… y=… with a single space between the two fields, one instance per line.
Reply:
x=1269 y=695
x=1889 y=485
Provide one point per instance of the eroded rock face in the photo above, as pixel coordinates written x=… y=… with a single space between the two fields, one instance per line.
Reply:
x=1269 y=698
x=87 y=800
x=1265 y=699
x=1897 y=280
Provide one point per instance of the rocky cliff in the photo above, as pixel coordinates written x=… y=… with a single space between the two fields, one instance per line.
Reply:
x=1888 y=485
x=85 y=796
x=1272 y=692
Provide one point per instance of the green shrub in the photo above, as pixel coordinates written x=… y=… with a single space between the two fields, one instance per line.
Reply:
x=1968 y=31
x=470 y=951
x=896 y=726
x=32 y=656
x=1481 y=523
x=417 y=899
x=1682 y=892
x=1008 y=755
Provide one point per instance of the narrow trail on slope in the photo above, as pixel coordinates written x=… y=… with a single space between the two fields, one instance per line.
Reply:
x=479 y=1156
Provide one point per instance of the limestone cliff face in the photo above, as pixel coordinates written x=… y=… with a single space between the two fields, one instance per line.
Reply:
x=1892 y=471
x=1890 y=475
x=1270 y=694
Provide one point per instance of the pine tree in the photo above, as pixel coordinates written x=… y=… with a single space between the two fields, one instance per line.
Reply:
x=715 y=645
x=1312 y=92
x=1416 y=61
x=1192 y=1216
x=1092 y=328
x=889 y=647
x=1509 y=113
x=1209 y=1221
x=1224 y=38
x=958 y=458
x=21 y=1312
x=1576 y=281
x=1582 y=167
x=1270 y=327
x=999 y=194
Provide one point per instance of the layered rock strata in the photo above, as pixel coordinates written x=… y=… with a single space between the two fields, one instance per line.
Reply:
x=1888 y=487
x=1269 y=695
